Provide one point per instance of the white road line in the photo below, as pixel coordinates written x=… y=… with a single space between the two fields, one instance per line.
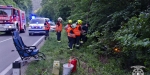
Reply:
x=5 y=40
x=10 y=66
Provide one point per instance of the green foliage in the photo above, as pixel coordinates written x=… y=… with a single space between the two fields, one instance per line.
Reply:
x=53 y=9
x=10 y=2
x=134 y=37
x=114 y=23
x=2 y=2
x=25 y=5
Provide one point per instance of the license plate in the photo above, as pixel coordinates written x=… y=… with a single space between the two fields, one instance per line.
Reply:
x=36 y=32
x=36 y=27
x=1 y=27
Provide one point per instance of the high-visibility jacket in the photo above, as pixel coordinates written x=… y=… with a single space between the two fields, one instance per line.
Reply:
x=77 y=30
x=59 y=27
x=68 y=29
x=71 y=33
x=47 y=26
x=67 y=26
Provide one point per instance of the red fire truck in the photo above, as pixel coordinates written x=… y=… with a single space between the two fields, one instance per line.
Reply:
x=12 y=19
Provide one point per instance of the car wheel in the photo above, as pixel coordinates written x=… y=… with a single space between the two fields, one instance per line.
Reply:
x=24 y=30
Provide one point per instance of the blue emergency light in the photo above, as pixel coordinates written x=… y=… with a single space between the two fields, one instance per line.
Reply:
x=33 y=17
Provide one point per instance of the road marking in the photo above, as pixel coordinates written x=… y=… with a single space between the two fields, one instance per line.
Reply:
x=4 y=72
x=5 y=40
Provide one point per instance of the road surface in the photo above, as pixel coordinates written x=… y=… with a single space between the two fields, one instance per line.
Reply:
x=7 y=56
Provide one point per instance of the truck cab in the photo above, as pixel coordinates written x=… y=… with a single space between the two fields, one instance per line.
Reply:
x=12 y=19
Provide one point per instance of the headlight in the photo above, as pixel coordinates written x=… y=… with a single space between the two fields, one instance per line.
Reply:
x=30 y=26
x=9 y=26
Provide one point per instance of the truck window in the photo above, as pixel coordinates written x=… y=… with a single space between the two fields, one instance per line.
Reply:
x=5 y=12
x=15 y=13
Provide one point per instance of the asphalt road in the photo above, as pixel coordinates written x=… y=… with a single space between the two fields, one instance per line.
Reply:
x=7 y=56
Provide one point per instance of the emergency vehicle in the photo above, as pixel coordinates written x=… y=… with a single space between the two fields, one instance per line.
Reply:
x=11 y=19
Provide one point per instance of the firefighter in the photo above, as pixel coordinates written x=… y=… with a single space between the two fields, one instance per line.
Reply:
x=47 y=28
x=67 y=27
x=84 y=32
x=71 y=35
x=59 y=29
x=77 y=32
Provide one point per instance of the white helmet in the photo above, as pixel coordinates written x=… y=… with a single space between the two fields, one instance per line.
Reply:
x=74 y=25
x=59 y=19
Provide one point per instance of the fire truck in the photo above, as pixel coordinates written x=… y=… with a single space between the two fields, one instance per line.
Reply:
x=11 y=19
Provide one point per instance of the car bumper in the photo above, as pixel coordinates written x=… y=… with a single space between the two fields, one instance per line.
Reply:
x=37 y=31
x=6 y=29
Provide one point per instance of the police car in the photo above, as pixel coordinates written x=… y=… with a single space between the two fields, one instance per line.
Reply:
x=53 y=26
x=36 y=26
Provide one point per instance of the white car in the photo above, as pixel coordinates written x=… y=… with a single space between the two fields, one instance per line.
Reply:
x=53 y=26
x=36 y=26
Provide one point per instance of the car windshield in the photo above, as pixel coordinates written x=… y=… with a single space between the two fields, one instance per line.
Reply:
x=39 y=21
x=5 y=12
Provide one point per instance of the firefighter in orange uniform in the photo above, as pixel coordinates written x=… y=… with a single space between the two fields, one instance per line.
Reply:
x=47 y=28
x=67 y=27
x=77 y=32
x=71 y=35
x=59 y=29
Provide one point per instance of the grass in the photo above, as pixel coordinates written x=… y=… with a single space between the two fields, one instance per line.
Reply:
x=88 y=63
